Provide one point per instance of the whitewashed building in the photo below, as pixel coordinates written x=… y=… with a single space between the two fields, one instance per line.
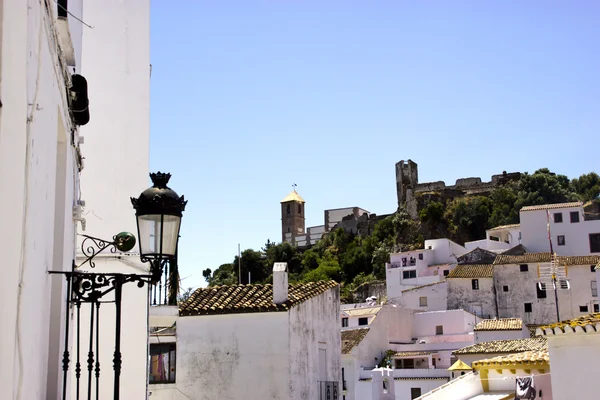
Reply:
x=488 y=330
x=573 y=232
x=410 y=269
x=251 y=341
x=416 y=347
x=353 y=317
x=498 y=239
x=574 y=349
x=40 y=161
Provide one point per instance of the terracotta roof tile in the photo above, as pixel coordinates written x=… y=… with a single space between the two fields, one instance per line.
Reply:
x=526 y=258
x=587 y=324
x=552 y=206
x=530 y=258
x=510 y=226
x=422 y=286
x=505 y=346
x=357 y=312
x=503 y=324
x=352 y=338
x=533 y=358
x=413 y=353
x=236 y=299
x=472 y=271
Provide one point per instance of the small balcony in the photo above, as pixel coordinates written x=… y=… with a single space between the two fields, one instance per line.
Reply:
x=328 y=390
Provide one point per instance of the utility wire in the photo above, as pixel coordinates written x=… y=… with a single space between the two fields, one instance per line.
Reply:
x=73 y=15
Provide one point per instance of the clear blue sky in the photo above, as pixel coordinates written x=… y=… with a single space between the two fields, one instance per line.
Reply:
x=249 y=97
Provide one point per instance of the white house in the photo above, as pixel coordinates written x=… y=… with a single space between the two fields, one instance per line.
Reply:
x=275 y=341
x=488 y=330
x=353 y=317
x=499 y=238
x=431 y=297
x=470 y=287
x=40 y=160
x=574 y=349
x=572 y=232
x=117 y=154
x=496 y=379
x=417 y=347
x=421 y=267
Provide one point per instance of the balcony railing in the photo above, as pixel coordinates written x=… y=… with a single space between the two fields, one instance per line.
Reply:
x=328 y=390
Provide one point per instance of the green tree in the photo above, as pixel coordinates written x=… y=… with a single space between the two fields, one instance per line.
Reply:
x=587 y=186
x=543 y=187
x=468 y=217
x=223 y=276
x=206 y=274
x=432 y=213
x=504 y=209
x=327 y=269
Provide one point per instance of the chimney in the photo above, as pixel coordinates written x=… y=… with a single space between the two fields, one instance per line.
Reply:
x=280 y=283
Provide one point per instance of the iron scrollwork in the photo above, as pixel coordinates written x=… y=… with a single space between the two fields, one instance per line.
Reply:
x=92 y=246
x=91 y=287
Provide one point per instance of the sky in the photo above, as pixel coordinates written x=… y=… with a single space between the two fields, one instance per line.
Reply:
x=249 y=97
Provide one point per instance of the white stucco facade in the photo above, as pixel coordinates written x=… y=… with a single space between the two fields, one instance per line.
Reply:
x=38 y=168
x=575 y=230
x=480 y=301
x=432 y=297
x=411 y=269
x=263 y=355
x=116 y=63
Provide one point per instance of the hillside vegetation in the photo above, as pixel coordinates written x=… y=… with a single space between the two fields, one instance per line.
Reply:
x=353 y=260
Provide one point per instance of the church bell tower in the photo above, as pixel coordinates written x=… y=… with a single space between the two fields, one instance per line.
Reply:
x=292 y=217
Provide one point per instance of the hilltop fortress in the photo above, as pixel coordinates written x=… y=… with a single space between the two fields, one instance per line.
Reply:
x=412 y=194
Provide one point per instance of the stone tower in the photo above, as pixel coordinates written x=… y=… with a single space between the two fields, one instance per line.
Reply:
x=292 y=217
x=407 y=178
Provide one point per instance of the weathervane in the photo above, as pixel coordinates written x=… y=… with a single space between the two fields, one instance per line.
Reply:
x=294 y=186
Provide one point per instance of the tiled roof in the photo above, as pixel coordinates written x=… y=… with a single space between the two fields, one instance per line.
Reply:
x=293 y=196
x=248 y=298
x=518 y=250
x=526 y=258
x=532 y=328
x=587 y=324
x=510 y=226
x=352 y=338
x=529 y=258
x=552 y=206
x=472 y=271
x=422 y=286
x=503 y=324
x=505 y=346
x=533 y=358
x=459 y=365
x=413 y=353
x=352 y=312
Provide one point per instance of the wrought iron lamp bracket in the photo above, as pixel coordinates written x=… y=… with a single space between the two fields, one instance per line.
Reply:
x=92 y=246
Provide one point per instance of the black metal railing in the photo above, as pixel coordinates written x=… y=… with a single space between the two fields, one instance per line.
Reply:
x=164 y=292
x=328 y=390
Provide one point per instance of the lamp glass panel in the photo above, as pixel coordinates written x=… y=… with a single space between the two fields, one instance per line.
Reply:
x=151 y=238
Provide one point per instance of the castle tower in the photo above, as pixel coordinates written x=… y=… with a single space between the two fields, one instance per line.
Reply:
x=292 y=217
x=407 y=178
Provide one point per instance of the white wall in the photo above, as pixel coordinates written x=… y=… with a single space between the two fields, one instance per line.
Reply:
x=313 y=325
x=116 y=63
x=437 y=297
x=461 y=388
x=37 y=165
x=506 y=382
x=574 y=364
x=455 y=322
x=535 y=234
x=230 y=357
x=487 y=244
x=403 y=387
x=462 y=296
x=488 y=336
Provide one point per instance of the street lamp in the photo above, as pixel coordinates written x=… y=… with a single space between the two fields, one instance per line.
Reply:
x=158 y=210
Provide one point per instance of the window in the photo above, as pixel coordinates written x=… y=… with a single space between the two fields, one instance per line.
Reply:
x=561 y=240
x=592 y=268
x=299 y=208
x=446 y=272
x=596 y=307
x=583 y=308
x=439 y=330
x=557 y=218
x=62 y=8
x=344 y=322
x=574 y=217
x=475 y=284
x=594 y=242
x=409 y=274
x=162 y=363
x=288 y=229
x=289 y=210
x=541 y=293
x=524 y=267
x=505 y=288
x=494 y=238
x=343 y=380
x=594 y=285
x=415 y=392
x=420 y=256
x=363 y=321
x=528 y=307
x=423 y=301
